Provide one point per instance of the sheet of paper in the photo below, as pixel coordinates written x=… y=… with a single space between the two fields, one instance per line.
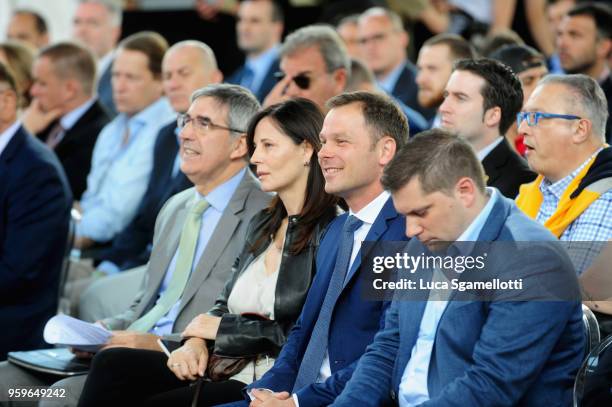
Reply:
x=68 y=331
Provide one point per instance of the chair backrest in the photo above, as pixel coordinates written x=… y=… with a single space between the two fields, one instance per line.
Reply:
x=591 y=327
x=593 y=381
x=66 y=260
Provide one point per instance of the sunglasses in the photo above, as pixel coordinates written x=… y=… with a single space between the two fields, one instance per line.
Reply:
x=302 y=80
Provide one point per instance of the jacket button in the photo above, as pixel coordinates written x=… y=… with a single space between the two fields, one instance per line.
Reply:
x=393 y=395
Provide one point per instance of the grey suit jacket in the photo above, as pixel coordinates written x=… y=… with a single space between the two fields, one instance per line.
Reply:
x=215 y=265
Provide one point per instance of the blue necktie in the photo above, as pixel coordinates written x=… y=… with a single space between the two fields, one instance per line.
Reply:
x=315 y=351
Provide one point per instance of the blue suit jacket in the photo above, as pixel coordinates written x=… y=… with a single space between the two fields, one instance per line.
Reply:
x=132 y=246
x=105 y=92
x=354 y=321
x=35 y=202
x=406 y=90
x=266 y=85
x=485 y=353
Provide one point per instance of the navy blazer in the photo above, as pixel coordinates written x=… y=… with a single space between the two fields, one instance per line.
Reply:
x=76 y=147
x=35 y=204
x=266 y=85
x=501 y=353
x=132 y=246
x=406 y=90
x=354 y=321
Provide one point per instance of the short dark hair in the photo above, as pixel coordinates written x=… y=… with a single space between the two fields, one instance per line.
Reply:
x=39 y=22
x=150 y=43
x=459 y=47
x=301 y=120
x=502 y=87
x=601 y=15
x=438 y=159
x=380 y=113
x=72 y=61
x=7 y=77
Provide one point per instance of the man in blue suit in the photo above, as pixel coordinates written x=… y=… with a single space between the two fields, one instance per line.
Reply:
x=259 y=29
x=360 y=135
x=35 y=203
x=474 y=353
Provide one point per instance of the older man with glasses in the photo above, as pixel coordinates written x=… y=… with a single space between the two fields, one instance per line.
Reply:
x=563 y=124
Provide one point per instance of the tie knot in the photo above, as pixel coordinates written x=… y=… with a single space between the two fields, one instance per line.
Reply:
x=199 y=207
x=352 y=224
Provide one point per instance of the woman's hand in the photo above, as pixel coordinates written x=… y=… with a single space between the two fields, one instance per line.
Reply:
x=203 y=326
x=189 y=361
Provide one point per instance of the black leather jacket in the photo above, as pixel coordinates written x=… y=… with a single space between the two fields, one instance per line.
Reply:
x=240 y=335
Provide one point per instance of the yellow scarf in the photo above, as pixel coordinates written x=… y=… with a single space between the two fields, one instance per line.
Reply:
x=530 y=199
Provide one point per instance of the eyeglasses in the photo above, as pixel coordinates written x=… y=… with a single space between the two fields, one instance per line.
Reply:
x=302 y=80
x=533 y=118
x=201 y=124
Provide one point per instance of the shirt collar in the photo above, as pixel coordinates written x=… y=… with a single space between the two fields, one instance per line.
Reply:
x=69 y=119
x=559 y=187
x=219 y=197
x=389 y=81
x=482 y=154
x=473 y=230
x=368 y=213
x=7 y=135
x=263 y=60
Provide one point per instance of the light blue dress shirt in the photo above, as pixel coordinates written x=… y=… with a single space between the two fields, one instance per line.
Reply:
x=120 y=173
x=260 y=66
x=218 y=199
x=413 y=387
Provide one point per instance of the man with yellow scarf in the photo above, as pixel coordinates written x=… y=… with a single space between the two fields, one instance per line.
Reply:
x=563 y=123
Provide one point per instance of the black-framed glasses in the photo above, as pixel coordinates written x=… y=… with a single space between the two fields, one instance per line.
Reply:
x=376 y=38
x=302 y=80
x=201 y=124
x=533 y=118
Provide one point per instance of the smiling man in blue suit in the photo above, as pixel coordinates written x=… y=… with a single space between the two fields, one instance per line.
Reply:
x=35 y=203
x=468 y=353
x=360 y=135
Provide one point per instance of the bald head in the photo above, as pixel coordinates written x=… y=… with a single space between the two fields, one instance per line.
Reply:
x=188 y=66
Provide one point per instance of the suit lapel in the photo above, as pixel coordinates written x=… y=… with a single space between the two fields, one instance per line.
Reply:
x=379 y=227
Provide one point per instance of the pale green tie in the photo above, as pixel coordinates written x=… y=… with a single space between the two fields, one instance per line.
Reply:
x=182 y=269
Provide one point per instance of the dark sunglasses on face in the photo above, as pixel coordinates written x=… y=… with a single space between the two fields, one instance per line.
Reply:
x=301 y=80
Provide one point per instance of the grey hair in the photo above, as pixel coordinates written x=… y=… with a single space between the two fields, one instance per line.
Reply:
x=324 y=37
x=208 y=56
x=587 y=94
x=113 y=7
x=241 y=103
x=396 y=20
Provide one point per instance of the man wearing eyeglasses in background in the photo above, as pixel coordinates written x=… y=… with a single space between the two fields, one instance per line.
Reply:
x=563 y=124
x=314 y=65
x=383 y=43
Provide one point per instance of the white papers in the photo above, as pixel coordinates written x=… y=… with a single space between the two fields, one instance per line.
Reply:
x=67 y=331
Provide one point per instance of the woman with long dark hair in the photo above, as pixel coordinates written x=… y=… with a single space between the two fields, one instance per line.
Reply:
x=236 y=341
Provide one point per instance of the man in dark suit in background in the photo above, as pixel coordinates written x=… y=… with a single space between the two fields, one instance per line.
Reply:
x=64 y=114
x=35 y=203
x=383 y=42
x=481 y=100
x=259 y=29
